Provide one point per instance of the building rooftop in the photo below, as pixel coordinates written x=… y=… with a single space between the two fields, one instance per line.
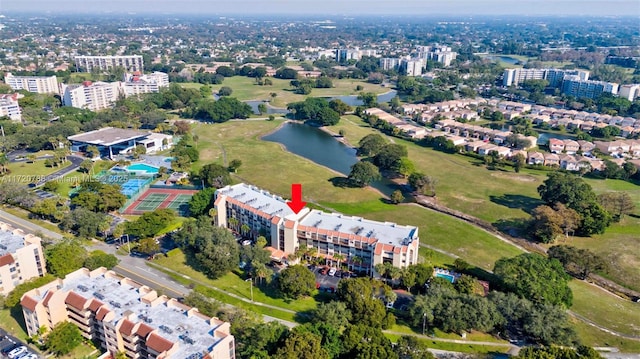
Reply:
x=10 y=239
x=193 y=333
x=384 y=232
x=108 y=136
x=260 y=200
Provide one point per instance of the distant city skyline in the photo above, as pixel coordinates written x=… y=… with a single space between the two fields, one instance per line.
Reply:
x=335 y=7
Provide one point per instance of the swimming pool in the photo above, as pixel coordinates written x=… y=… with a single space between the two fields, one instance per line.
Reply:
x=142 y=167
x=448 y=277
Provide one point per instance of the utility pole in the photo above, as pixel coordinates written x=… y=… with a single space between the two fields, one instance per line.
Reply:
x=424 y=322
x=250 y=280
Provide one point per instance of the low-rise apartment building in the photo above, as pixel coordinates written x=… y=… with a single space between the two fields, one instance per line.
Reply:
x=21 y=258
x=127 y=317
x=360 y=242
x=136 y=84
x=36 y=84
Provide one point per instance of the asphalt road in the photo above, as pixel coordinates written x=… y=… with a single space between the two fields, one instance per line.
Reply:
x=75 y=164
x=27 y=226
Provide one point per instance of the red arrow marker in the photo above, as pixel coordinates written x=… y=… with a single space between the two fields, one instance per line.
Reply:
x=296 y=204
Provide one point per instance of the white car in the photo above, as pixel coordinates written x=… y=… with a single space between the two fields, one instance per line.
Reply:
x=332 y=271
x=17 y=351
x=30 y=356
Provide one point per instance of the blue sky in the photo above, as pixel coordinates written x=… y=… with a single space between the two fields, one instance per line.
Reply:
x=340 y=7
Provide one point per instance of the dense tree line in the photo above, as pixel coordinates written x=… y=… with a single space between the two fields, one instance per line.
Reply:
x=316 y=110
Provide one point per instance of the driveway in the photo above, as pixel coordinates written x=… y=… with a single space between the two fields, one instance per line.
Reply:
x=325 y=282
x=75 y=164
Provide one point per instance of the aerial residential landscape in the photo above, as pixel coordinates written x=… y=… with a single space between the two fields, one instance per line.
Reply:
x=340 y=179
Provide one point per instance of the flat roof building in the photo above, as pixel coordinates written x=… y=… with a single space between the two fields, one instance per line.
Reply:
x=21 y=258
x=136 y=84
x=127 y=317
x=129 y=63
x=360 y=242
x=114 y=141
x=36 y=84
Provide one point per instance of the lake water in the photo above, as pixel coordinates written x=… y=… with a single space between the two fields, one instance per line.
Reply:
x=507 y=59
x=544 y=137
x=315 y=145
x=352 y=100
x=270 y=109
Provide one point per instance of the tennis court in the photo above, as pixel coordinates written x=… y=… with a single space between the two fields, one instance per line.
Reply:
x=130 y=184
x=154 y=198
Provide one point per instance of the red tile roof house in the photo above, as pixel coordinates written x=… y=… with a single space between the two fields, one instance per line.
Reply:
x=571 y=147
x=556 y=145
x=551 y=159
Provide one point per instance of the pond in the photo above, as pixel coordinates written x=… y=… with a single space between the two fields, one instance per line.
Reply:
x=544 y=137
x=315 y=145
x=270 y=109
x=352 y=100
x=507 y=59
x=322 y=148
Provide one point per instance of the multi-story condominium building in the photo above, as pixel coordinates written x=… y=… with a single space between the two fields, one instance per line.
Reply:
x=93 y=96
x=37 y=84
x=574 y=86
x=412 y=67
x=437 y=53
x=362 y=243
x=127 y=317
x=21 y=258
x=344 y=55
x=513 y=77
x=9 y=107
x=389 y=63
x=136 y=84
x=129 y=62
x=556 y=76
x=630 y=92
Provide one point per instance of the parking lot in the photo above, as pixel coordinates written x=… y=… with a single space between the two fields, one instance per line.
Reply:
x=10 y=345
x=326 y=282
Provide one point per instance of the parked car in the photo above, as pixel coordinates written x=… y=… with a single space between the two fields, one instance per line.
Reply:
x=29 y=356
x=332 y=271
x=324 y=271
x=17 y=352
x=346 y=275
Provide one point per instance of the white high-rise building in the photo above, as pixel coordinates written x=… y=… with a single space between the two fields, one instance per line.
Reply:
x=130 y=63
x=21 y=258
x=438 y=53
x=513 y=77
x=630 y=92
x=93 y=96
x=574 y=86
x=36 y=84
x=389 y=63
x=136 y=84
x=9 y=107
x=412 y=67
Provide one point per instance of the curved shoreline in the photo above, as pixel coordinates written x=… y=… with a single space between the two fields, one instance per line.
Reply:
x=285 y=149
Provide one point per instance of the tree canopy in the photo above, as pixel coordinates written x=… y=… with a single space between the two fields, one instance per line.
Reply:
x=363 y=173
x=296 y=281
x=535 y=277
x=213 y=249
x=63 y=338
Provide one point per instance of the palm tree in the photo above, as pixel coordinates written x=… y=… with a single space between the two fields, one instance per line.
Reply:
x=357 y=260
x=393 y=272
x=244 y=229
x=339 y=257
x=212 y=213
x=4 y=160
x=260 y=270
x=233 y=223
x=381 y=268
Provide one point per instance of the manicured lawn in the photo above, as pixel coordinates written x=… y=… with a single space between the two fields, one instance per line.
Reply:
x=233 y=284
x=26 y=173
x=464 y=348
x=605 y=309
x=268 y=165
x=473 y=336
x=595 y=337
x=18 y=212
x=76 y=177
x=245 y=88
x=12 y=325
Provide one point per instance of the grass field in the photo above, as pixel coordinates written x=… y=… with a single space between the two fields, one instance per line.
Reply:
x=497 y=195
x=605 y=309
x=31 y=172
x=268 y=165
x=595 y=337
x=245 y=88
x=67 y=182
x=463 y=348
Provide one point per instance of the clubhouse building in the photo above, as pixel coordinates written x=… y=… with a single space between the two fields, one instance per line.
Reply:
x=361 y=243
x=112 y=141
